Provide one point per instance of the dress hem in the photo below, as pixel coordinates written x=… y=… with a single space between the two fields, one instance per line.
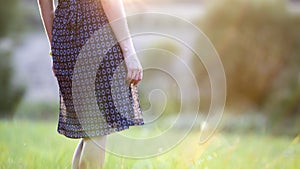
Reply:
x=72 y=135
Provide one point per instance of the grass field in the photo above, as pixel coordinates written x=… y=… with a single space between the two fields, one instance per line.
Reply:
x=36 y=145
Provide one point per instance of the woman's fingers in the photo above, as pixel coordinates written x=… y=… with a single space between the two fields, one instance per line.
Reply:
x=134 y=76
x=129 y=75
x=140 y=77
x=134 y=68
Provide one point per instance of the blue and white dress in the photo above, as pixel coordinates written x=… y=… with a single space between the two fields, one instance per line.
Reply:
x=88 y=62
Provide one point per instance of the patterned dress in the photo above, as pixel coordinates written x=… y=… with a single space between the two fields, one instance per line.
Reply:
x=88 y=62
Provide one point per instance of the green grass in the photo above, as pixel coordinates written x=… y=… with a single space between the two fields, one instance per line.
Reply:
x=36 y=145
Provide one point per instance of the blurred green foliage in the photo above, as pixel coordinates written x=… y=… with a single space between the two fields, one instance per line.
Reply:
x=259 y=45
x=38 y=110
x=11 y=94
x=255 y=41
x=9 y=17
x=160 y=54
x=283 y=103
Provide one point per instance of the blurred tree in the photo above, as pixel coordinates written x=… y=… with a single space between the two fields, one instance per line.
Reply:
x=11 y=95
x=160 y=55
x=259 y=45
x=8 y=16
x=255 y=40
x=283 y=102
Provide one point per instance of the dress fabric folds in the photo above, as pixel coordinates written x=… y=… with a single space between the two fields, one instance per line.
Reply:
x=95 y=99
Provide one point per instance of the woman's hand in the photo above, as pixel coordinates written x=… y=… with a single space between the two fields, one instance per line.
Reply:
x=134 y=69
x=114 y=10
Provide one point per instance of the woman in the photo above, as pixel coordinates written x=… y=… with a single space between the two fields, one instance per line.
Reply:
x=97 y=70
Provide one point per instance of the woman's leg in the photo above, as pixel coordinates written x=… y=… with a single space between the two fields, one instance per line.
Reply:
x=93 y=153
x=76 y=156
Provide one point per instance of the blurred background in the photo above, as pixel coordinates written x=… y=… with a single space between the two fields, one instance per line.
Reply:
x=258 y=42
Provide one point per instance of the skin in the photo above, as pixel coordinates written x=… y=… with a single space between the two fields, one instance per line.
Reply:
x=90 y=152
x=115 y=13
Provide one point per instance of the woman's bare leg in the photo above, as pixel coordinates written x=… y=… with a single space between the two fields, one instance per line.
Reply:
x=93 y=153
x=77 y=154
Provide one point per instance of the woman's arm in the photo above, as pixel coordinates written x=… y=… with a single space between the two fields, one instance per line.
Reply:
x=115 y=13
x=47 y=13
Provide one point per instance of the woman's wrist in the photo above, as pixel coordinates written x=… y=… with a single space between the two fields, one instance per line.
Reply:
x=128 y=52
x=127 y=48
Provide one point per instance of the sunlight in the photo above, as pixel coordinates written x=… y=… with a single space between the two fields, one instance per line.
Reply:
x=134 y=2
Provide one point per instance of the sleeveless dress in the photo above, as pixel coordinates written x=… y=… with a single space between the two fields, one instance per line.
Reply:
x=95 y=99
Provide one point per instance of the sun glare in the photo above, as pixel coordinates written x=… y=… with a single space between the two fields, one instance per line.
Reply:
x=135 y=4
x=133 y=1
